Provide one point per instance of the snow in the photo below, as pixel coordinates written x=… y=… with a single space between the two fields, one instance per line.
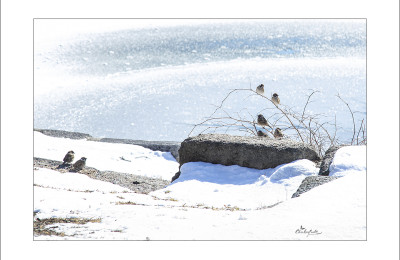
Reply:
x=124 y=158
x=349 y=159
x=218 y=185
x=116 y=78
x=73 y=182
x=208 y=202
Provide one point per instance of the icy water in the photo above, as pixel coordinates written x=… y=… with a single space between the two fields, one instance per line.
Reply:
x=154 y=82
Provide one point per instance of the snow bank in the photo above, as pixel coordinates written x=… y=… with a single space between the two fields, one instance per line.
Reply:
x=215 y=185
x=208 y=201
x=334 y=215
x=124 y=158
x=349 y=159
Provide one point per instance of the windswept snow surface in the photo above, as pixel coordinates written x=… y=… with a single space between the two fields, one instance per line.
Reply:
x=348 y=160
x=234 y=186
x=125 y=158
x=208 y=202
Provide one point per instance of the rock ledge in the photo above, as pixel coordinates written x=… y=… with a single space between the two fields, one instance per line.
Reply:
x=252 y=152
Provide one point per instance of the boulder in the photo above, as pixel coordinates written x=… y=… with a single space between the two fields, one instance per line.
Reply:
x=247 y=151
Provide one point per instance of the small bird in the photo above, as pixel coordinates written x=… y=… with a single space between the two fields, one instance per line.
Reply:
x=262 y=121
x=278 y=133
x=69 y=157
x=261 y=134
x=275 y=99
x=260 y=89
x=78 y=165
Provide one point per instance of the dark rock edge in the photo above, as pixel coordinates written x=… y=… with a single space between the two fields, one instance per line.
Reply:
x=135 y=183
x=311 y=182
x=327 y=160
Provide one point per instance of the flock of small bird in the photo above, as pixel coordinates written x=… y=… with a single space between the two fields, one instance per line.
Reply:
x=78 y=165
x=261 y=119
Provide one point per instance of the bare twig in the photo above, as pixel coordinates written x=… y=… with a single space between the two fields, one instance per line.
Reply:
x=306 y=127
x=287 y=117
x=359 y=130
x=232 y=91
x=308 y=99
x=352 y=116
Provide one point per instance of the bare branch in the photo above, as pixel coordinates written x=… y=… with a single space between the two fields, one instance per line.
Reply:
x=302 y=126
x=352 y=116
x=308 y=99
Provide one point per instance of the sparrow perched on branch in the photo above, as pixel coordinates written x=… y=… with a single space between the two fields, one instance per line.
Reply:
x=261 y=134
x=260 y=89
x=69 y=157
x=278 y=133
x=262 y=121
x=275 y=99
x=78 y=165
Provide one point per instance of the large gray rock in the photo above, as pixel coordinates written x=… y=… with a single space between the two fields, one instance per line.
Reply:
x=253 y=152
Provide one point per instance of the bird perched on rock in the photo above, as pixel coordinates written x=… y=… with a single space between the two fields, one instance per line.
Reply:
x=262 y=121
x=78 y=165
x=260 y=89
x=275 y=99
x=261 y=134
x=69 y=157
x=278 y=133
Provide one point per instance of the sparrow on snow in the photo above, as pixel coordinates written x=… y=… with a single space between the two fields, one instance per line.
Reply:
x=78 y=165
x=69 y=157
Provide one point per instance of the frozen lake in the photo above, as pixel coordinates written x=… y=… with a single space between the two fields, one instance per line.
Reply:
x=155 y=79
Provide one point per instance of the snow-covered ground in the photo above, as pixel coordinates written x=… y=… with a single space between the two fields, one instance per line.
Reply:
x=347 y=160
x=207 y=202
x=106 y=156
